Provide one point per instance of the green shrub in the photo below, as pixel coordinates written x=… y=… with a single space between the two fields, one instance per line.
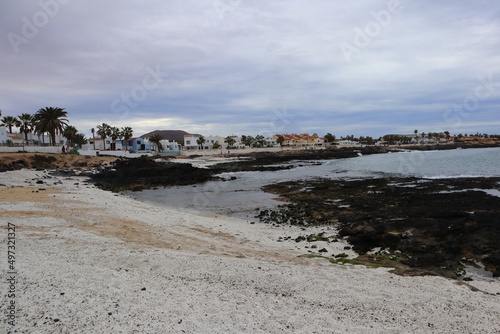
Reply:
x=74 y=150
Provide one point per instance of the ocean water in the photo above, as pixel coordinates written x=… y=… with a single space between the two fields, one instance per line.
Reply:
x=483 y=162
x=243 y=197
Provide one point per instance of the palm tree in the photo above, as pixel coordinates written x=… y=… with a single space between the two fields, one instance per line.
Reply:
x=9 y=122
x=329 y=137
x=127 y=134
x=416 y=136
x=261 y=140
x=70 y=134
x=230 y=141
x=281 y=140
x=155 y=141
x=115 y=133
x=104 y=130
x=447 y=134
x=200 y=141
x=93 y=136
x=52 y=120
x=79 y=140
x=25 y=124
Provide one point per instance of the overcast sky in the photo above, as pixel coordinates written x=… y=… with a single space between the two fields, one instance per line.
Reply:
x=256 y=67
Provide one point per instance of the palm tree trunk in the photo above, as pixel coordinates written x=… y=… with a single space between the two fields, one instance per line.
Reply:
x=53 y=137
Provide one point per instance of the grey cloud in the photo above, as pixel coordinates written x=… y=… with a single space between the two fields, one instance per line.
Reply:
x=231 y=69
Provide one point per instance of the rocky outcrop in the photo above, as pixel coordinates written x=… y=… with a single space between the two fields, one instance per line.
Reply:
x=432 y=225
x=142 y=173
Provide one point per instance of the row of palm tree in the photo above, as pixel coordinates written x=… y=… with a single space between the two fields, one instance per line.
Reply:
x=51 y=120
x=257 y=141
x=114 y=133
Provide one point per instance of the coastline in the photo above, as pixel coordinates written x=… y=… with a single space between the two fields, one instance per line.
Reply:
x=91 y=260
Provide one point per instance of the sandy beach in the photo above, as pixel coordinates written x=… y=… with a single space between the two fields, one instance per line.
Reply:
x=91 y=261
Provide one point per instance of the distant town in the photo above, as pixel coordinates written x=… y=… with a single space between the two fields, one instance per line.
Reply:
x=49 y=127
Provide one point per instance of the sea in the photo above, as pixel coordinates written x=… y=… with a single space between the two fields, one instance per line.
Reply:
x=239 y=194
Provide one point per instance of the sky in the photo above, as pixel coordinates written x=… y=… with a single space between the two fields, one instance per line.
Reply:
x=223 y=67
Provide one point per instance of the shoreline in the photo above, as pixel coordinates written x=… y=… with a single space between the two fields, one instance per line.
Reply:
x=91 y=260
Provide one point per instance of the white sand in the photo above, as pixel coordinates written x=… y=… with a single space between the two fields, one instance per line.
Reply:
x=89 y=261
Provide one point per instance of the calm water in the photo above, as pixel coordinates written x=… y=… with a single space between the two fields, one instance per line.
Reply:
x=241 y=197
x=429 y=164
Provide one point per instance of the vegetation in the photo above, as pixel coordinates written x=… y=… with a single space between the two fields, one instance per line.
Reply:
x=104 y=130
x=329 y=138
x=230 y=141
x=79 y=139
x=70 y=133
x=260 y=140
x=51 y=120
x=200 y=141
x=115 y=134
x=280 y=140
x=93 y=136
x=155 y=141
x=74 y=151
x=9 y=122
x=127 y=133
x=25 y=124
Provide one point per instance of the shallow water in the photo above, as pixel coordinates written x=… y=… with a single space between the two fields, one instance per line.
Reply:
x=241 y=197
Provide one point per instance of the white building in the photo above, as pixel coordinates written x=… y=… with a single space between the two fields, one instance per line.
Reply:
x=272 y=141
x=191 y=141
x=99 y=144
x=237 y=142
x=18 y=138
x=211 y=140
x=170 y=146
x=348 y=143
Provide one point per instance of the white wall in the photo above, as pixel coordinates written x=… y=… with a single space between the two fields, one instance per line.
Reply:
x=208 y=141
x=243 y=151
x=32 y=149
x=169 y=146
x=125 y=154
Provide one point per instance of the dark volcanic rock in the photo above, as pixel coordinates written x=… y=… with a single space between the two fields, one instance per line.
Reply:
x=433 y=223
x=143 y=173
x=274 y=161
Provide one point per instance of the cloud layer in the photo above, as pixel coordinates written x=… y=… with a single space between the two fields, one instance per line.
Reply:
x=248 y=67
